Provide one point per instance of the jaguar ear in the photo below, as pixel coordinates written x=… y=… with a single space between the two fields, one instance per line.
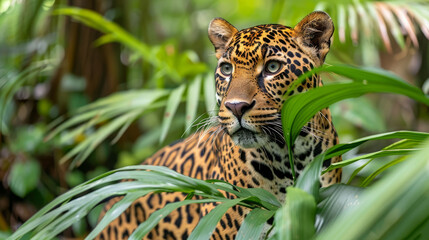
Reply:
x=220 y=34
x=314 y=34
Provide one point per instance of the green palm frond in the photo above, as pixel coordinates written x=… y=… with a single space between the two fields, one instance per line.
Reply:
x=393 y=208
x=11 y=82
x=66 y=209
x=295 y=220
x=371 y=24
x=95 y=122
x=386 y=20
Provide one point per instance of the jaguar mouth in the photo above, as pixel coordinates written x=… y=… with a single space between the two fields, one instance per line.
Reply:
x=246 y=138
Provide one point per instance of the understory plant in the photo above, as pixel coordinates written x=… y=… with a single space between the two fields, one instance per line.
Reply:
x=391 y=208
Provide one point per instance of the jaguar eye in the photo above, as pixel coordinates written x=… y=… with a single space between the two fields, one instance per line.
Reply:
x=272 y=67
x=226 y=69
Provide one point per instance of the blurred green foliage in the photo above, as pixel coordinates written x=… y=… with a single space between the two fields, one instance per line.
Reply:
x=54 y=70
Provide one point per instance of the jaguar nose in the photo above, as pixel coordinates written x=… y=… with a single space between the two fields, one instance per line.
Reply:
x=239 y=108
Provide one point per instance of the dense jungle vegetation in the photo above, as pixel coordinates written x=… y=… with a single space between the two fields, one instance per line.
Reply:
x=89 y=89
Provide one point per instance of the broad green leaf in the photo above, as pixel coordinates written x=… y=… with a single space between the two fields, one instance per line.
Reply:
x=193 y=96
x=420 y=232
x=309 y=179
x=172 y=105
x=393 y=208
x=80 y=228
x=24 y=177
x=299 y=109
x=253 y=224
x=210 y=94
x=94 y=214
x=296 y=219
x=74 y=178
x=277 y=11
x=335 y=200
x=5 y=234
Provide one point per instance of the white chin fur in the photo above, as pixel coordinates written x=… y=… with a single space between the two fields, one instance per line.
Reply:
x=248 y=140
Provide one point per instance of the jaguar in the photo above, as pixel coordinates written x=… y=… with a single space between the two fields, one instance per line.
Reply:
x=244 y=144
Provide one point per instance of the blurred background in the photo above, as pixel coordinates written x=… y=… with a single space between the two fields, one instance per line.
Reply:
x=54 y=62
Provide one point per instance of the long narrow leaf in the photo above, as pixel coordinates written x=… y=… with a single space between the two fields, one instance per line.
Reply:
x=87 y=146
x=111 y=106
x=394 y=27
x=210 y=94
x=172 y=105
x=381 y=25
x=342 y=148
x=405 y=21
x=193 y=96
x=368 y=180
x=115 y=211
x=308 y=180
x=67 y=208
x=208 y=223
x=253 y=224
x=297 y=218
x=173 y=181
x=341 y=23
x=267 y=199
x=402 y=144
x=145 y=227
x=382 y=153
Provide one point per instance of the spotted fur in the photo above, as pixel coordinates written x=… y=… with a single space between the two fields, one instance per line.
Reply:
x=245 y=146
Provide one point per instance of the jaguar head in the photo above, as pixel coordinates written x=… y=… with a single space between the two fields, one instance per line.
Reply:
x=255 y=68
